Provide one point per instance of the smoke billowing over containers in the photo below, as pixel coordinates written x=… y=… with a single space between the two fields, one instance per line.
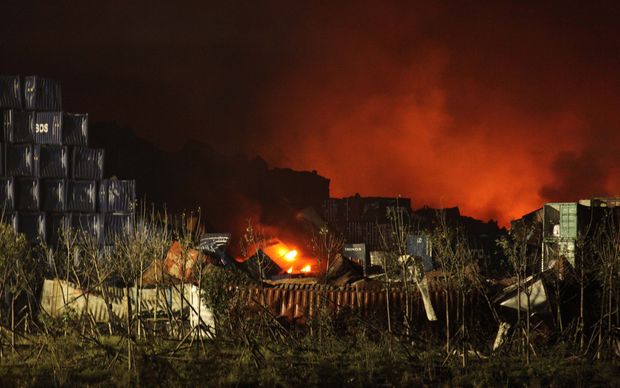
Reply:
x=50 y=179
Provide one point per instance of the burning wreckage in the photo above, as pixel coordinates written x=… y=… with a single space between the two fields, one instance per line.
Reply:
x=404 y=285
x=296 y=287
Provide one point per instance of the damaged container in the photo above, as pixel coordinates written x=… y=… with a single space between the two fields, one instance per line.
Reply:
x=419 y=246
x=10 y=92
x=7 y=194
x=32 y=225
x=53 y=161
x=81 y=196
x=56 y=224
x=75 y=129
x=48 y=128
x=54 y=195
x=88 y=225
x=42 y=94
x=117 y=195
x=118 y=226
x=87 y=163
x=21 y=160
x=357 y=252
x=18 y=127
x=27 y=194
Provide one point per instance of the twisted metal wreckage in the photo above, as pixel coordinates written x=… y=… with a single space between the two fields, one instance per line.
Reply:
x=169 y=287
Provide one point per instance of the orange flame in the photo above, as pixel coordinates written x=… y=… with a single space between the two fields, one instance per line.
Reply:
x=290 y=255
x=290 y=260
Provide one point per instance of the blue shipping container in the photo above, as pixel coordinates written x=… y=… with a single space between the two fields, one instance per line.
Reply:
x=41 y=94
x=87 y=163
x=75 y=129
x=32 y=225
x=56 y=225
x=117 y=195
x=48 y=128
x=88 y=226
x=118 y=226
x=81 y=196
x=10 y=92
x=22 y=160
x=18 y=127
x=54 y=195
x=27 y=194
x=7 y=194
x=53 y=161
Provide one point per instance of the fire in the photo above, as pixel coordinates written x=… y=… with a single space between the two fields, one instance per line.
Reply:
x=290 y=260
x=291 y=255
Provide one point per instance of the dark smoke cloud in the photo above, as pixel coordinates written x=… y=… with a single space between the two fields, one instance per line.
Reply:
x=592 y=171
x=494 y=107
x=478 y=107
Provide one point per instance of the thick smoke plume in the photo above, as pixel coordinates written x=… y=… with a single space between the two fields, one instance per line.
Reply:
x=495 y=107
x=495 y=110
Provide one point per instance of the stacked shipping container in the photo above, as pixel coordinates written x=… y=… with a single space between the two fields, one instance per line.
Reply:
x=49 y=177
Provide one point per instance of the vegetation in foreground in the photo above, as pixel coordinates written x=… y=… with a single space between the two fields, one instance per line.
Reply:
x=255 y=348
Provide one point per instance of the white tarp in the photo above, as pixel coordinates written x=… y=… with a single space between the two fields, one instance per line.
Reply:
x=200 y=316
x=59 y=297
x=537 y=296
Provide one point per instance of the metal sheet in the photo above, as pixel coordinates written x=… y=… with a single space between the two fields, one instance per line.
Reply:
x=539 y=302
x=58 y=297
x=214 y=243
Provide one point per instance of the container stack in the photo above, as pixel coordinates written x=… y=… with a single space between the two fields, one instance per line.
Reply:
x=50 y=178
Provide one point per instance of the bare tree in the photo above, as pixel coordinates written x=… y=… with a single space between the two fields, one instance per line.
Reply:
x=606 y=246
x=451 y=249
x=522 y=258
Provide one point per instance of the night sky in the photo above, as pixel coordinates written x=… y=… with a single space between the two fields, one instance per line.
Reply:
x=494 y=107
